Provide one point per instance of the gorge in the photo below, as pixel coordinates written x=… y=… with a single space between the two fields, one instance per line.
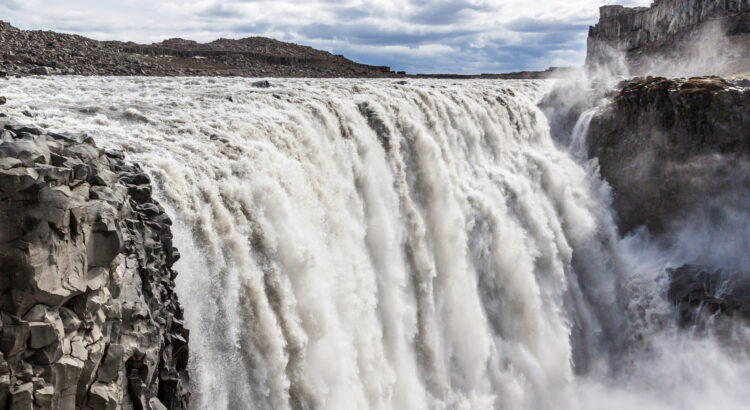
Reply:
x=423 y=245
x=383 y=243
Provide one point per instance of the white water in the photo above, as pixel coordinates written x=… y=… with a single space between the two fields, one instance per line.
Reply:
x=445 y=254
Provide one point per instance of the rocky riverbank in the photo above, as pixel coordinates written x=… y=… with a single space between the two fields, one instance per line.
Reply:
x=89 y=317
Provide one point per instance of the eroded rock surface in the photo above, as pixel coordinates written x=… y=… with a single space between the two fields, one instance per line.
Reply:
x=88 y=315
x=666 y=145
x=673 y=38
x=699 y=291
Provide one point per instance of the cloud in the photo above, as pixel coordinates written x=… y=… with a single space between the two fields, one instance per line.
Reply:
x=460 y=36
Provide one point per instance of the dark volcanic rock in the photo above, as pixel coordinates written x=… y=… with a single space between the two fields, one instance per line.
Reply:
x=665 y=145
x=262 y=84
x=45 y=52
x=89 y=318
x=698 y=290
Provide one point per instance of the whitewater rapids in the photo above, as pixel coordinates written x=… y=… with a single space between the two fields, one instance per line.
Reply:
x=368 y=244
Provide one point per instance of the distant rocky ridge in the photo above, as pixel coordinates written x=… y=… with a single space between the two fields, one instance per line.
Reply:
x=88 y=314
x=49 y=53
x=673 y=38
x=550 y=73
x=45 y=52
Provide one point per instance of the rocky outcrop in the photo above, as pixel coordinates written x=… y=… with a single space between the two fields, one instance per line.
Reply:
x=698 y=291
x=666 y=145
x=673 y=37
x=88 y=315
x=46 y=52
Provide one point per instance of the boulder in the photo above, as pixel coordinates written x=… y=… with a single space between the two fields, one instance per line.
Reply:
x=40 y=71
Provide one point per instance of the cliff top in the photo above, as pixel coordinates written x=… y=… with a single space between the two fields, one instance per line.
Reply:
x=612 y=11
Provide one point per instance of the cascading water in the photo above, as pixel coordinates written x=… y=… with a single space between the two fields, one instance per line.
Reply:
x=352 y=244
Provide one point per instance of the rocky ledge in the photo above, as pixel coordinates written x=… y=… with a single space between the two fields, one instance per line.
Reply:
x=665 y=145
x=89 y=318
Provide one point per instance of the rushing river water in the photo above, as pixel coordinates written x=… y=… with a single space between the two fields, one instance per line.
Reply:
x=354 y=244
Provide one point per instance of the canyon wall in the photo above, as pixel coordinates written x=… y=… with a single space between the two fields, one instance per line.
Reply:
x=673 y=38
x=89 y=318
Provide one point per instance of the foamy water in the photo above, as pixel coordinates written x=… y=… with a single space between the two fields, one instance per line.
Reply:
x=354 y=244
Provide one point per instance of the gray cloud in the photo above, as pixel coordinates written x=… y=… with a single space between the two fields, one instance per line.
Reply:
x=463 y=36
x=445 y=12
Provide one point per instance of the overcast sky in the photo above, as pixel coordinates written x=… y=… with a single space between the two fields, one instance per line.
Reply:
x=419 y=36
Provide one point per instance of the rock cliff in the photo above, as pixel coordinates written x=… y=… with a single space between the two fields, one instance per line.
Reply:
x=665 y=145
x=673 y=38
x=89 y=318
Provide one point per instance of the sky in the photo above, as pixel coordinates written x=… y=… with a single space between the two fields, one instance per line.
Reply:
x=418 y=36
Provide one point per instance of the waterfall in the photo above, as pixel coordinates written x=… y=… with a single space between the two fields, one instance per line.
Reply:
x=353 y=244
x=577 y=146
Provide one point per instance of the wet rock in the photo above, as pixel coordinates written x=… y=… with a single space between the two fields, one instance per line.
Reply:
x=87 y=305
x=699 y=291
x=262 y=84
x=28 y=151
x=3 y=100
x=137 y=179
x=40 y=71
x=665 y=145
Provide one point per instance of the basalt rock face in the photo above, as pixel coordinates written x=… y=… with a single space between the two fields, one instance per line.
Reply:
x=665 y=146
x=45 y=52
x=673 y=37
x=698 y=291
x=88 y=316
